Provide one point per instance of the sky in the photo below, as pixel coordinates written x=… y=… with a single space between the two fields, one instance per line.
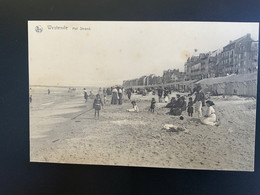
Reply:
x=101 y=54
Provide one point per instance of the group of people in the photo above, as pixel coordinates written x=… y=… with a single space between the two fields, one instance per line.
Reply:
x=117 y=96
x=177 y=105
x=163 y=93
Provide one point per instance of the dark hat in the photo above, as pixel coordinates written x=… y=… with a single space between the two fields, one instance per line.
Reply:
x=210 y=103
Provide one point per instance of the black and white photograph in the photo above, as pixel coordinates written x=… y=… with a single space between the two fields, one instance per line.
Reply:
x=178 y=95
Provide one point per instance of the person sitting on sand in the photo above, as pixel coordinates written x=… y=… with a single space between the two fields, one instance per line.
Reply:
x=210 y=118
x=135 y=107
x=153 y=102
x=180 y=106
x=172 y=103
x=97 y=105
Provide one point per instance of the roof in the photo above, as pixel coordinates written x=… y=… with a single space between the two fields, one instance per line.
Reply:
x=229 y=79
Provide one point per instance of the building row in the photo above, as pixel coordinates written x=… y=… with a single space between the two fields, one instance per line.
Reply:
x=238 y=57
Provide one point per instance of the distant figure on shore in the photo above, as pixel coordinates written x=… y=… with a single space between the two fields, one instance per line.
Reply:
x=120 y=96
x=97 y=105
x=30 y=95
x=129 y=93
x=108 y=91
x=199 y=98
x=135 y=107
x=114 y=96
x=90 y=94
x=160 y=93
x=153 y=102
x=105 y=98
x=210 y=118
x=190 y=107
x=49 y=91
x=85 y=95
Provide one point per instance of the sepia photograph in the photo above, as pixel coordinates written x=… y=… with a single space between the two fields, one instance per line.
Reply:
x=143 y=94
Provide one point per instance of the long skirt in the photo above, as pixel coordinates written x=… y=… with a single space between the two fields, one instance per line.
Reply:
x=114 y=98
x=210 y=120
x=198 y=108
x=120 y=95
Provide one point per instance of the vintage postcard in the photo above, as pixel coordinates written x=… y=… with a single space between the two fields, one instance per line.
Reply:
x=147 y=94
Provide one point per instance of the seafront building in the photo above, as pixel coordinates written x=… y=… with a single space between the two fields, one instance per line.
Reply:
x=238 y=57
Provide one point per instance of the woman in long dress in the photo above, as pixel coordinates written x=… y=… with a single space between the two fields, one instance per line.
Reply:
x=114 y=96
x=210 y=117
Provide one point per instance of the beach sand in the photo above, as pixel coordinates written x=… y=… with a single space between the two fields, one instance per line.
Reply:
x=138 y=139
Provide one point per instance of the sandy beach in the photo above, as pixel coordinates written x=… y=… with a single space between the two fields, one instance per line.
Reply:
x=138 y=139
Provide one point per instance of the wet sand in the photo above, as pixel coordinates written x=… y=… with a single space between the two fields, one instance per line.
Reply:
x=138 y=139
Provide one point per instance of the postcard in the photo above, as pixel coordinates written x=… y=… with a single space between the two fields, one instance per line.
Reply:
x=143 y=94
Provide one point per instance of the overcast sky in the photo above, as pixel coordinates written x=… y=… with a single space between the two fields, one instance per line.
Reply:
x=111 y=52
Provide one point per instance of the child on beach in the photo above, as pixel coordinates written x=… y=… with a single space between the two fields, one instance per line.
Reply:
x=190 y=107
x=97 y=105
x=152 y=105
x=135 y=107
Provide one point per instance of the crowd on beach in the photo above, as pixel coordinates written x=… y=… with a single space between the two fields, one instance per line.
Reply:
x=177 y=105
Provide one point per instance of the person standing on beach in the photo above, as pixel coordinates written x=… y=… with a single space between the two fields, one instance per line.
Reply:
x=49 y=91
x=160 y=93
x=129 y=93
x=120 y=96
x=153 y=102
x=85 y=95
x=199 y=98
x=114 y=96
x=190 y=107
x=97 y=105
